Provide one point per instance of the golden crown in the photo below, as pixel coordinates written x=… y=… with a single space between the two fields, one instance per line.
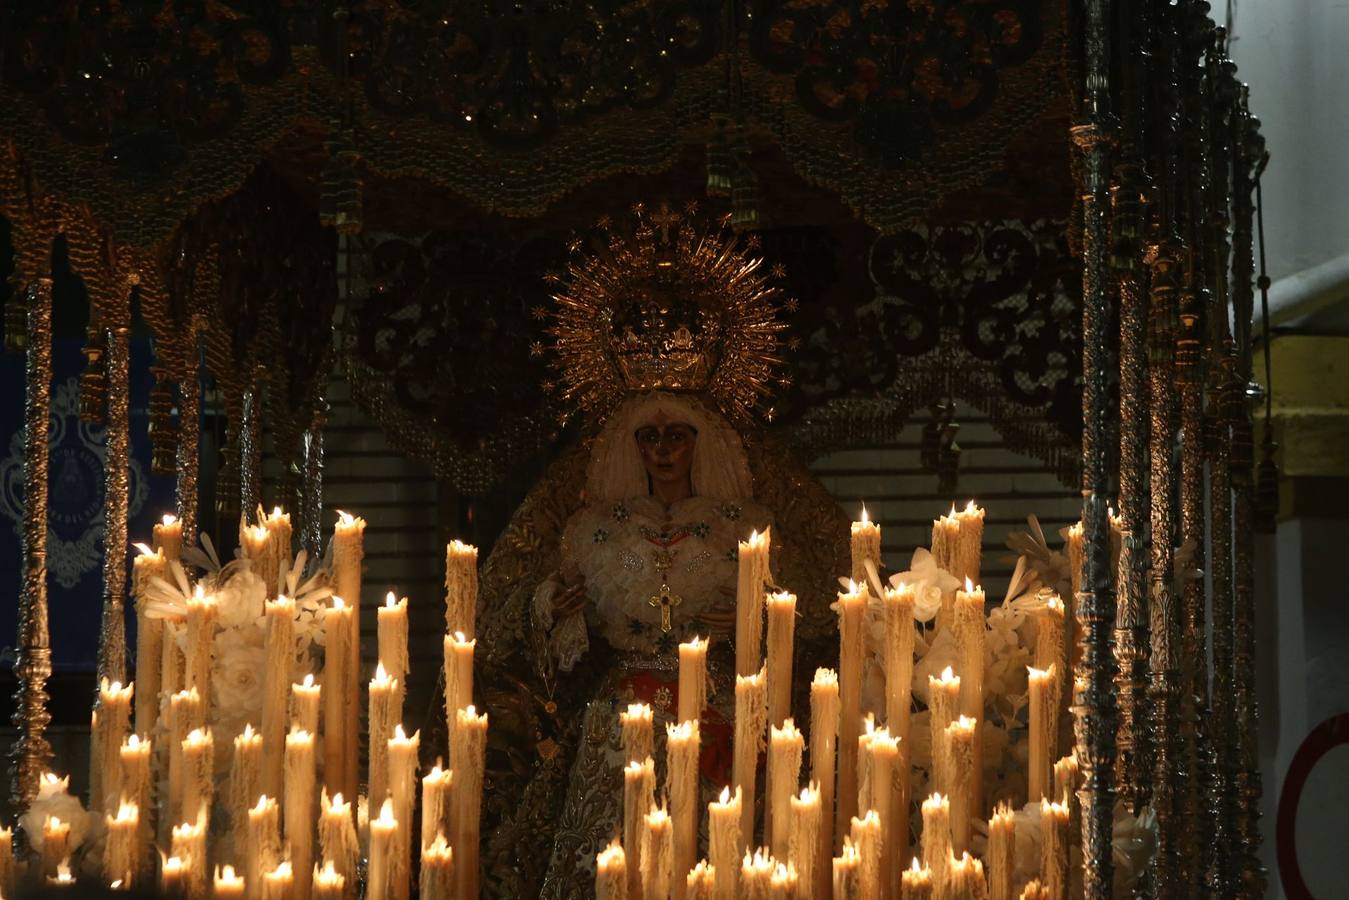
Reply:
x=673 y=306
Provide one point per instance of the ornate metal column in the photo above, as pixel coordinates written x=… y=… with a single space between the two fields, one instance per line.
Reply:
x=116 y=471
x=189 y=433
x=1094 y=700
x=311 y=489
x=250 y=453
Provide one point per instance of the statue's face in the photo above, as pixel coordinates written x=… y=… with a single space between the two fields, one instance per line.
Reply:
x=667 y=449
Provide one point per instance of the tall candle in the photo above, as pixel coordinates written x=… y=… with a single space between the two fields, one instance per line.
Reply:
x=756 y=874
x=402 y=790
x=1051 y=638
x=852 y=605
x=119 y=850
x=1043 y=731
x=305 y=698
x=227 y=885
x=435 y=804
x=171 y=670
x=300 y=780
x=723 y=844
x=946 y=540
x=348 y=551
x=55 y=844
x=969 y=542
x=784 y=883
x=611 y=873
x=184 y=716
x=1066 y=774
x=1054 y=848
x=882 y=751
x=866 y=837
x=943 y=706
x=112 y=723
x=458 y=652
x=392 y=631
x=264 y=841
x=278 y=529
x=657 y=859
x=383 y=717
x=188 y=843
x=134 y=760
x=1034 y=890
x=961 y=736
x=245 y=781
x=470 y=745
x=824 y=712
x=280 y=883
x=899 y=639
x=150 y=564
x=937 y=837
x=383 y=833
x=253 y=543
x=751 y=714
x=692 y=679
x=201 y=619
x=280 y=615
x=785 y=748
x=639 y=793
x=198 y=776
x=804 y=847
x=337 y=837
x=168 y=537
x=701 y=882
x=681 y=753
x=749 y=598
x=437 y=872
x=6 y=862
x=1001 y=853
x=461 y=588
x=966 y=877
x=173 y=877
x=781 y=632
x=847 y=872
x=638 y=739
x=916 y=882
x=339 y=691
x=865 y=547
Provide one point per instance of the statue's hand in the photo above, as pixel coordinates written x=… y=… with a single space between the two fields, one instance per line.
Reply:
x=719 y=616
x=569 y=600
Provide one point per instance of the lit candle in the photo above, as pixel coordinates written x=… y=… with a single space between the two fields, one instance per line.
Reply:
x=638 y=739
x=279 y=883
x=300 y=780
x=201 y=618
x=1073 y=547
x=226 y=885
x=657 y=852
x=611 y=873
x=749 y=598
x=337 y=837
x=402 y=790
x=112 y=720
x=6 y=862
x=1054 y=848
x=392 y=626
x=245 y=780
x=824 y=712
x=188 y=843
x=866 y=837
x=966 y=876
x=280 y=615
x=692 y=679
x=916 y=882
x=681 y=755
x=882 y=752
x=1001 y=853
x=470 y=745
x=785 y=748
x=184 y=717
x=969 y=630
x=173 y=877
x=383 y=717
x=702 y=881
x=847 y=866
x=723 y=844
x=304 y=705
x=461 y=588
x=134 y=757
x=1034 y=890
x=253 y=543
x=172 y=663
x=1051 y=638
x=329 y=884
x=339 y=691
x=852 y=606
x=804 y=847
x=168 y=537
x=150 y=564
x=383 y=833
x=458 y=680
x=946 y=540
x=1043 y=731
x=348 y=551
x=1066 y=773
x=435 y=804
x=437 y=872
x=936 y=840
x=639 y=792
x=784 y=883
x=119 y=850
x=264 y=841
x=277 y=526
x=969 y=542
x=899 y=634
x=756 y=874
x=198 y=775
x=751 y=714
x=960 y=762
x=865 y=547
x=943 y=705
x=781 y=632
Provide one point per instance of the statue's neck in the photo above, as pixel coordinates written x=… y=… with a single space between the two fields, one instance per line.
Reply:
x=669 y=494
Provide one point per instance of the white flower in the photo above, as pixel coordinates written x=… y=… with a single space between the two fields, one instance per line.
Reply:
x=931 y=583
x=238 y=673
x=54 y=799
x=239 y=595
x=940 y=654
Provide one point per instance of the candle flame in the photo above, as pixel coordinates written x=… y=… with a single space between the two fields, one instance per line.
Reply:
x=169 y=520
x=398 y=733
x=725 y=795
x=345 y=518
x=386 y=818
x=969 y=585
x=388 y=600
x=338 y=602
x=308 y=680
x=948 y=674
x=127 y=811
x=133 y=742
x=54 y=822
x=470 y=710
x=63 y=875
x=263 y=802
x=461 y=638
x=173 y=864
x=865 y=519
x=952 y=513
x=196 y=737
x=248 y=731
x=381 y=674
x=915 y=867
x=970 y=507
x=1052 y=603
x=276 y=512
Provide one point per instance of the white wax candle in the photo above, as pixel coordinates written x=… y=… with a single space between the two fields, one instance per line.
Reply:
x=611 y=873
x=751 y=714
x=781 y=634
x=824 y=713
x=682 y=744
x=723 y=845
x=692 y=679
x=305 y=700
x=804 y=848
x=339 y=692
x=639 y=792
x=280 y=615
x=392 y=629
x=638 y=736
x=300 y=780
x=461 y=588
x=749 y=598
x=865 y=547
x=785 y=748
x=852 y=606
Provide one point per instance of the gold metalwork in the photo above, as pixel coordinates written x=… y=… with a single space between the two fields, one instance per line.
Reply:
x=674 y=306
x=665 y=600
x=112 y=639
x=189 y=439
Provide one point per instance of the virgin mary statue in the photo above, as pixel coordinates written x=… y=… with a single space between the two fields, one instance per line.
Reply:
x=666 y=340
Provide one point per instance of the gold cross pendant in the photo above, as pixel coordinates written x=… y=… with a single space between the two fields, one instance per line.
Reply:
x=665 y=601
